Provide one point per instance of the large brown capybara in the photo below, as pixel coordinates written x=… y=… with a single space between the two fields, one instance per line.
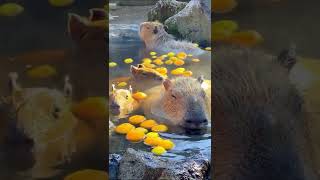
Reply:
x=182 y=102
x=259 y=122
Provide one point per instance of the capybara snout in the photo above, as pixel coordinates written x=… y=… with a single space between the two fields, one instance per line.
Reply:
x=196 y=123
x=195 y=117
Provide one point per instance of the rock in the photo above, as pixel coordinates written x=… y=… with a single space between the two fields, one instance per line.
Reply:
x=191 y=169
x=198 y=16
x=114 y=160
x=136 y=3
x=165 y=9
x=144 y=165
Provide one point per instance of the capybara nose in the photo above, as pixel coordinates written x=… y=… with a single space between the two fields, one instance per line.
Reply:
x=114 y=105
x=160 y=78
x=197 y=121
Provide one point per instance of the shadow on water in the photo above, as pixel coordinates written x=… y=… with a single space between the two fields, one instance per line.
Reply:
x=36 y=37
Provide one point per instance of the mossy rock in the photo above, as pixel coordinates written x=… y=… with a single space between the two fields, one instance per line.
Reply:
x=164 y=9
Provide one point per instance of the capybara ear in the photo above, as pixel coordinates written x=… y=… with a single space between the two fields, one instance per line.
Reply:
x=133 y=69
x=167 y=84
x=76 y=26
x=166 y=28
x=97 y=14
x=201 y=79
x=13 y=86
x=288 y=57
x=155 y=31
x=67 y=89
x=113 y=87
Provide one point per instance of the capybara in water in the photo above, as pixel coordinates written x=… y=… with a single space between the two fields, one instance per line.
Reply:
x=44 y=117
x=259 y=123
x=155 y=37
x=121 y=102
x=182 y=101
x=141 y=78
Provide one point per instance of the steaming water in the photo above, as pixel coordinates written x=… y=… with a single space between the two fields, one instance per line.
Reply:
x=131 y=47
x=42 y=27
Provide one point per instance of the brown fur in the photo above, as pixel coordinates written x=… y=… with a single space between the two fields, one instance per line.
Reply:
x=156 y=38
x=124 y=100
x=259 y=128
x=142 y=78
x=171 y=100
x=88 y=32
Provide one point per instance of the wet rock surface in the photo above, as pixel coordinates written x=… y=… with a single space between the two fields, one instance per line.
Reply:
x=114 y=160
x=135 y=2
x=144 y=165
x=164 y=9
x=198 y=16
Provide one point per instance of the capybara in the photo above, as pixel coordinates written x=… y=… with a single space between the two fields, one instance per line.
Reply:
x=141 y=78
x=44 y=116
x=121 y=102
x=182 y=101
x=259 y=120
x=155 y=37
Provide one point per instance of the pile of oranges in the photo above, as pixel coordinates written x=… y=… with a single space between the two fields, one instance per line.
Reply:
x=139 y=129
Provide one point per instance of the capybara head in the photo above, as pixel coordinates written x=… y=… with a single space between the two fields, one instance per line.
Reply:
x=121 y=101
x=41 y=110
x=142 y=73
x=185 y=103
x=150 y=31
x=259 y=122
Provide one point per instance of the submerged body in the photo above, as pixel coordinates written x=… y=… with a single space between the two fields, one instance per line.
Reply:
x=260 y=125
x=141 y=78
x=155 y=37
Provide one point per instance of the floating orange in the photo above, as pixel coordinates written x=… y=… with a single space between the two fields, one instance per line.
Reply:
x=135 y=135
x=148 y=124
x=159 y=128
x=139 y=95
x=246 y=38
x=136 y=119
x=124 y=128
x=223 y=6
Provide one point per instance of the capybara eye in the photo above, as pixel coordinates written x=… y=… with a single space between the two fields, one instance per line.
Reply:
x=203 y=94
x=55 y=113
x=174 y=96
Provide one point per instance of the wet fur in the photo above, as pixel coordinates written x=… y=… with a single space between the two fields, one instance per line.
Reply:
x=161 y=106
x=156 y=38
x=259 y=123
